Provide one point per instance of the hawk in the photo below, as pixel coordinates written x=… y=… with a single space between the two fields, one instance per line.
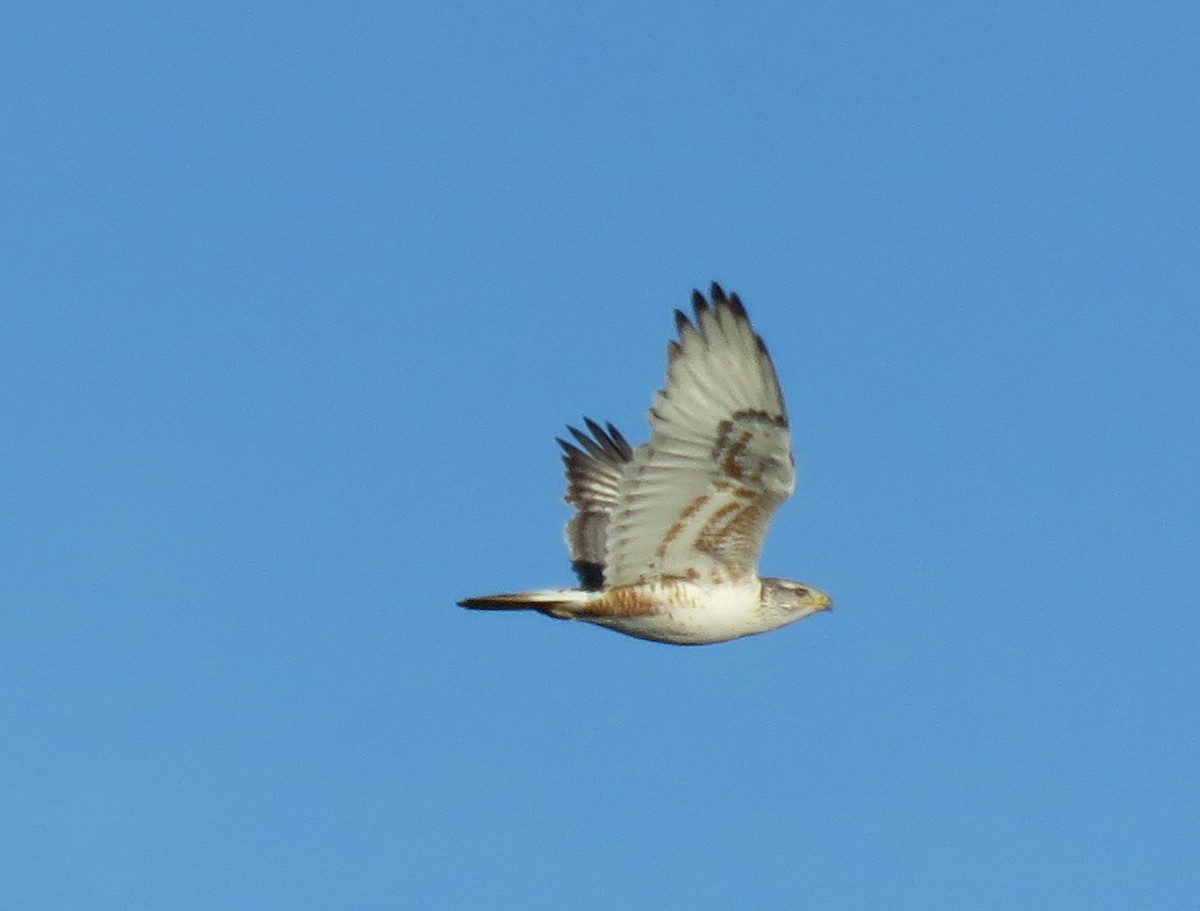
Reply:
x=665 y=538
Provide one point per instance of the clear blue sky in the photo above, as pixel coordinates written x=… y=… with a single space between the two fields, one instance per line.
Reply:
x=295 y=299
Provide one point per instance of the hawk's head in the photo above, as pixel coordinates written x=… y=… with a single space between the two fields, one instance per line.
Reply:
x=789 y=601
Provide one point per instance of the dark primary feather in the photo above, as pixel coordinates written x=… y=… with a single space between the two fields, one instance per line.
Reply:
x=681 y=323
x=701 y=305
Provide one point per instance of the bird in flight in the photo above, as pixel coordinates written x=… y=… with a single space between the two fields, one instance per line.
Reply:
x=665 y=538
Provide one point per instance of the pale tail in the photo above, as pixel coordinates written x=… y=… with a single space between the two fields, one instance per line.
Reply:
x=555 y=602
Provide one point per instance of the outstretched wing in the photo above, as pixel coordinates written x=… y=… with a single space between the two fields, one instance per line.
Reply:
x=594 y=468
x=696 y=500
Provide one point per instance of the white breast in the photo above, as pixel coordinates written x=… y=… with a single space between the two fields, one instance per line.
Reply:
x=690 y=614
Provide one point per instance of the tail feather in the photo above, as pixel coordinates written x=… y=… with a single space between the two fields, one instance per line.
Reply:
x=554 y=602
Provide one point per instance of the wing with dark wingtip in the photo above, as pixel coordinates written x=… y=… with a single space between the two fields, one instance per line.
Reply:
x=594 y=464
x=696 y=500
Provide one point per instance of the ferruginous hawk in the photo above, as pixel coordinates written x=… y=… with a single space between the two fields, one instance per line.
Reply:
x=665 y=538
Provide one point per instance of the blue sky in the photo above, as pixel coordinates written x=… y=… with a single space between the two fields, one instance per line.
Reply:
x=295 y=299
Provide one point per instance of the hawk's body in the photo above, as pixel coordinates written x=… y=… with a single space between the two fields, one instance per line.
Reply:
x=665 y=538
